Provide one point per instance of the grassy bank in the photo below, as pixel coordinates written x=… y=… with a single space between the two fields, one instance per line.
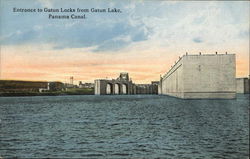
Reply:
x=69 y=91
x=79 y=91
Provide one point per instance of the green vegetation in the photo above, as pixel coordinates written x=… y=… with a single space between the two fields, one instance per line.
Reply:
x=14 y=84
x=10 y=94
x=79 y=91
x=69 y=91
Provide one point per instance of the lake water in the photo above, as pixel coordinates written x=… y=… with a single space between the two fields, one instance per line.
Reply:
x=128 y=126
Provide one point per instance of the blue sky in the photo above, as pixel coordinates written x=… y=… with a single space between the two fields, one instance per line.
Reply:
x=156 y=32
x=195 y=22
x=99 y=29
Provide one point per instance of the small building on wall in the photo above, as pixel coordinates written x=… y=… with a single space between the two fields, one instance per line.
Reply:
x=86 y=85
x=155 y=85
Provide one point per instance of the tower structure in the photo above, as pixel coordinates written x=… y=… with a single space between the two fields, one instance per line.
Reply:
x=72 y=80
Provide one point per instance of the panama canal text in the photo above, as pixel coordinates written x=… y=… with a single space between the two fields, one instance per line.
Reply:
x=63 y=13
x=72 y=16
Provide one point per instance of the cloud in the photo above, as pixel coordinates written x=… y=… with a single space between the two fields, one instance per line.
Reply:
x=244 y=34
x=141 y=25
x=197 y=40
x=46 y=3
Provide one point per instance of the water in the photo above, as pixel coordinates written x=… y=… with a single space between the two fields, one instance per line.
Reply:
x=147 y=126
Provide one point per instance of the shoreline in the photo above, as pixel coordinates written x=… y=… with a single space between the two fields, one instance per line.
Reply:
x=41 y=94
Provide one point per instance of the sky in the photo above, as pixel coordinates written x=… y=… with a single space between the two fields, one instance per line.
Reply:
x=145 y=39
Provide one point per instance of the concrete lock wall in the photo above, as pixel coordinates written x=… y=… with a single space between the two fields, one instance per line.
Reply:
x=172 y=82
x=201 y=76
x=242 y=85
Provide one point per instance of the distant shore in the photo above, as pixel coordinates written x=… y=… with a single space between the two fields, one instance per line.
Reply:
x=42 y=94
x=36 y=94
x=14 y=88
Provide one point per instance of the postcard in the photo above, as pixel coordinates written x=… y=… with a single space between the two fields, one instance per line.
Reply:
x=124 y=79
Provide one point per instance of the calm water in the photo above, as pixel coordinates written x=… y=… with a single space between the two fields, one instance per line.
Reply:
x=147 y=126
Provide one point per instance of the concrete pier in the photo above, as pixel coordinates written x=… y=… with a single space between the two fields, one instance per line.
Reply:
x=123 y=85
x=201 y=77
x=242 y=85
x=109 y=87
